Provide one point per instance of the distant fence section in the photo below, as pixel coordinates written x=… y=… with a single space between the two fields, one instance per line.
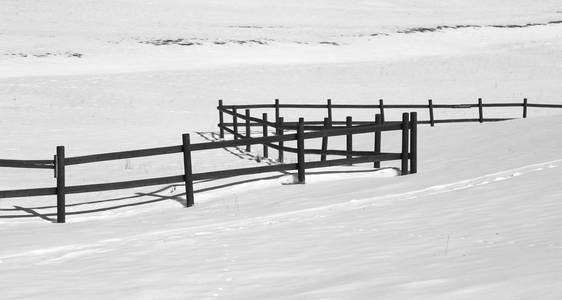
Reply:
x=381 y=108
x=274 y=134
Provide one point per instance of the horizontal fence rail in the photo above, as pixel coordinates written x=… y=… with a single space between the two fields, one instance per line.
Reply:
x=27 y=164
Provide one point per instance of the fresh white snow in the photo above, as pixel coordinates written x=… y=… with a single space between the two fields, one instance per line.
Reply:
x=479 y=221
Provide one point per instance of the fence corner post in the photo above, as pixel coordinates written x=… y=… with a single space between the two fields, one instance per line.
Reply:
x=378 y=136
x=349 y=139
x=480 y=111
x=188 y=172
x=431 y=118
x=221 y=120
x=405 y=144
x=300 y=151
x=524 y=108
x=60 y=174
x=413 y=142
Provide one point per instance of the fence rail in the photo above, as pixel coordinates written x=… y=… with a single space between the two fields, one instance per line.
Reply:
x=27 y=164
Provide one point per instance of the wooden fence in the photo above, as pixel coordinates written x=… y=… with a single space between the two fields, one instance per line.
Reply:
x=407 y=155
x=280 y=125
x=380 y=108
x=284 y=132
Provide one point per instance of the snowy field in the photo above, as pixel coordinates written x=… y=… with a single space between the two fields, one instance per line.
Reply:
x=481 y=219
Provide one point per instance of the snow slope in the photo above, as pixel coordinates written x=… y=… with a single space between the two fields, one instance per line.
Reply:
x=479 y=220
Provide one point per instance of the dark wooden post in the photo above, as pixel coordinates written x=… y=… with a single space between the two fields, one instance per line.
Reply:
x=348 y=138
x=248 y=147
x=431 y=119
x=264 y=130
x=280 y=132
x=188 y=177
x=60 y=174
x=277 y=110
x=381 y=108
x=325 y=140
x=221 y=120
x=329 y=104
x=378 y=135
x=235 y=123
x=480 y=111
x=405 y=143
x=300 y=151
x=524 y=108
x=413 y=142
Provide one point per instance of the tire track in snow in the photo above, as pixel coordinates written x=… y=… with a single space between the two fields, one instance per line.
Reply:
x=64 y=253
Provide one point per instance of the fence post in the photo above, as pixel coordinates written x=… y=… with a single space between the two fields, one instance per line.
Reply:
x=264 y=130
x=281 y=143
x=325 y=140
x=300 y=151
x=378 y=121
x=413 y=142
x=524 y=108
x=348 y=138
x=60 y=174
x=405 y=146
x=381 y=107
x=188 y=177
x=235 y=123
x=431 y=119
x=277 y=110
x=221 y=120
x=248 y=147
x=329 y=104
x=480 y=111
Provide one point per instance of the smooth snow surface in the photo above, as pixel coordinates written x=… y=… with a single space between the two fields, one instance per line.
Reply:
x=481 y=219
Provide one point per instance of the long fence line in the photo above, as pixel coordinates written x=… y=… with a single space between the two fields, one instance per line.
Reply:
x=407 y=155
x=316 y=129
x=381 y=108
